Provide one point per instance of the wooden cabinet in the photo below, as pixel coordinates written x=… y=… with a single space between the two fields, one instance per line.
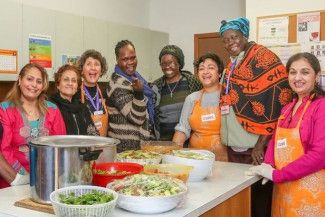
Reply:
x=237 y=205
x=210 y=42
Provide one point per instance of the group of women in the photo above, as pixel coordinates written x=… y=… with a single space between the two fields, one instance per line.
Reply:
x=242 y=110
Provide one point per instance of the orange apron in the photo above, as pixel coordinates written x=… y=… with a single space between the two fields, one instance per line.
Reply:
x=205 y=124
x=100 y=120
x=303 y=197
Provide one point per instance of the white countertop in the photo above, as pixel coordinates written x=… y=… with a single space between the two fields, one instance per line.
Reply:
x=226 y=180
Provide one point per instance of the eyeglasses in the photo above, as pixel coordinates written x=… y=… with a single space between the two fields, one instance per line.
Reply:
x=68 y=80
x=170 y=64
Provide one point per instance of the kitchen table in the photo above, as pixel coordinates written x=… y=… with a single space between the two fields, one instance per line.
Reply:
x=226 y=192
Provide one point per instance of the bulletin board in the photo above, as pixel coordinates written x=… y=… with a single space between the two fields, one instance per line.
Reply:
x=292 y=37
x=292 y=45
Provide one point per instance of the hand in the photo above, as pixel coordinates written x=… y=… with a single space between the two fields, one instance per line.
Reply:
x=265 y=170
x=258 y=154
x=20 y=180
x=137 y=85
x=264 y=181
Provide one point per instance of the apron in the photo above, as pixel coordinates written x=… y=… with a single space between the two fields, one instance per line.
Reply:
x=303 y=197
x=100 y=120
x=205 y=124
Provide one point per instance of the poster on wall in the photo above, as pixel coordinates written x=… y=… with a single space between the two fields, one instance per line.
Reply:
x=318 y=49
x=308 y=27
x=273 y=31
x=284 y=52
x=8 y=61
x=40 y=50
x=70 y=59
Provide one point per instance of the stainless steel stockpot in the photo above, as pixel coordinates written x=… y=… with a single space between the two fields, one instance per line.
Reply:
x=60 y=161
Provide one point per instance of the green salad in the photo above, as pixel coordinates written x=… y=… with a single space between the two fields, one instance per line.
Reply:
x=147 y=186
x=91 y=198
x=138 y=154
x=191 y=155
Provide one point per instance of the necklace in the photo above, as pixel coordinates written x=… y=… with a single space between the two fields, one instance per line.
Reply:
x=172 y=90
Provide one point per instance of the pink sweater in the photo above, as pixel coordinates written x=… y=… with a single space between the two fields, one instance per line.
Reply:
x=12 y=122
x=312 y=137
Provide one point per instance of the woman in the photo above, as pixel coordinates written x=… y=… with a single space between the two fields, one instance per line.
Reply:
x=76 y=116
x=171 y=90
x=25 y=115
x=200 y=117
x=93 y=66
x=129 y=100
x=295 y=155
x=255 y=88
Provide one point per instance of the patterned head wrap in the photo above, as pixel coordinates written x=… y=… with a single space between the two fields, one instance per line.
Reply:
x=176 y=52
x=241 y=24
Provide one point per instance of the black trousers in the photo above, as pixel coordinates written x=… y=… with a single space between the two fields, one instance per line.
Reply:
x=261 y=195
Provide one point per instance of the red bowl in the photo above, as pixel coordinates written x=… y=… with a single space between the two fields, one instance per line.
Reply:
x=103 y=179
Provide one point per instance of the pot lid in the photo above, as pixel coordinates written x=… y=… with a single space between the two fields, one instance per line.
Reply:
x=75 y=141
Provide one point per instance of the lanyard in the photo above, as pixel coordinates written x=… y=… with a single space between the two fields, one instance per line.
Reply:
x=233 y=65
x=94 y=103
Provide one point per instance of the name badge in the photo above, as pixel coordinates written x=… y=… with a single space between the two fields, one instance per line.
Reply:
x=281 y=143
x=209 y=117
x=98 y=125
x=100 y=112
x=225 y=109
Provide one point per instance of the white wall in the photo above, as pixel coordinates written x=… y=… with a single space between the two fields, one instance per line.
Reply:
x=129 y=12
x=184 y=18
x=180 y=18
x=257 y=8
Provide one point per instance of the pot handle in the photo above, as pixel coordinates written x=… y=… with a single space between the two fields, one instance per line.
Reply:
x=87 y=155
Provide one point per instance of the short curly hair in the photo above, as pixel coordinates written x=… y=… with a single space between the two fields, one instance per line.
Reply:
x=97 y=56
x=64 y=68
x=212 y=56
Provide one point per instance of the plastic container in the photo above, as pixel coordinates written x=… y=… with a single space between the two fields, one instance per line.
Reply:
x=201 y=168
x=103 y=179
x=177 y=171
x=161 y=147
x=97 y=210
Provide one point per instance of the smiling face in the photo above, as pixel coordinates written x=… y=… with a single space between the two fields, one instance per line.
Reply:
x=234 y=42
x=91 y=71
x=208 y=73
x=31 y=84
x=169 y=66
x=127 y=59
x=302 y=77
x=68 y=84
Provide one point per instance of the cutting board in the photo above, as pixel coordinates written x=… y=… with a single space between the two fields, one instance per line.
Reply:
x=29 y=204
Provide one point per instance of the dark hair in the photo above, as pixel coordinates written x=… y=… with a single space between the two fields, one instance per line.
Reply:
x=314 y=63
x=212 y=56
x=121 y=44
x=97 y=56
x=64 y=68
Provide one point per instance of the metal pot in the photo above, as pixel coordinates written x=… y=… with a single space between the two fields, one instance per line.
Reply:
x=60 y=161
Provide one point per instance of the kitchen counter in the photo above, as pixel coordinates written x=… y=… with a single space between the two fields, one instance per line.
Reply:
x=224 y=191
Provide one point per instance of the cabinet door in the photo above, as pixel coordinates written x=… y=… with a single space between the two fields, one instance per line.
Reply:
x=210 y=42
